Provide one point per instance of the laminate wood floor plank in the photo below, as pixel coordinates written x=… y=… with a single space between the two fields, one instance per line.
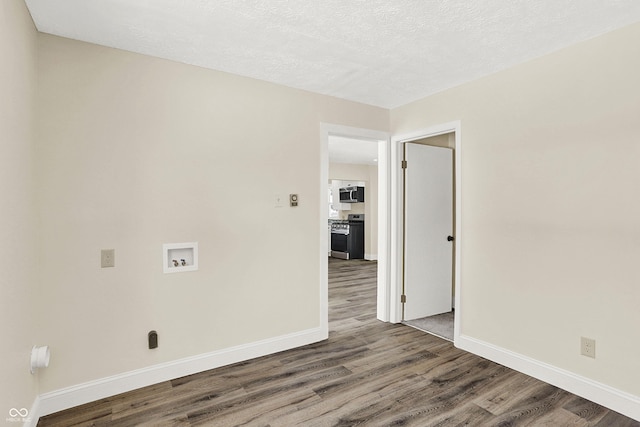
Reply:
x=543 y=400
x=77 y=419
x=613 y=419
x=444 y=395
x=557 y=418
x=270 y=390
x=276 y=393
x=84 y=415
x=467 y=415
x=367 y=373
x=254 y=409
x=227 y=377
x=329 y=411
x=179 y=405
x=153 y=404
x=499 y=399
x=586 y=409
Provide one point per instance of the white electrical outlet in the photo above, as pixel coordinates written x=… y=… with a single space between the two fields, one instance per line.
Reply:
x=108 y=258
x=588 y=347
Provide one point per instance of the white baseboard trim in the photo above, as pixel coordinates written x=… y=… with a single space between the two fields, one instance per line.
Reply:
x=33 y=417
x=602 y=394
x=58 y=400
x=371 y=257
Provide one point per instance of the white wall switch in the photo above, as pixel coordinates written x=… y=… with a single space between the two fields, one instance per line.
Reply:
x=279 y=200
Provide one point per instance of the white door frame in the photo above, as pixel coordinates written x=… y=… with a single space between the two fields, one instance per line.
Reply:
x=397 y=242
x=384 y=213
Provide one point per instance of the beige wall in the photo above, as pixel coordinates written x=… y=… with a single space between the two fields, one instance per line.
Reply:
x=551 y=213
x=18 y=302
x=446 y=140
x=368 y=174
x=135 y=152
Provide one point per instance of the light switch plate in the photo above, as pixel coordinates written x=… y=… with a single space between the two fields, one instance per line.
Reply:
x=279 y=200
x=107 y=258
x=293 y=200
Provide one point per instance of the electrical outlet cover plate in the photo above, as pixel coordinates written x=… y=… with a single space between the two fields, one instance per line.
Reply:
x=107 y=258
x=588 y=347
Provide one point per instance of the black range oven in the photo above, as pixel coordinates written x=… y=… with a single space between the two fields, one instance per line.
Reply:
x=347 y=237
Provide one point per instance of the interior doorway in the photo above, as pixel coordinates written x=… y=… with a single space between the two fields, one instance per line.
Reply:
x=428 y=215
x=353 y=198
x=446 y=135
x=380 y=142
x=428 y=231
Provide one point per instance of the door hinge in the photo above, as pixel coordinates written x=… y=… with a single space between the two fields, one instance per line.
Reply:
x=404 y=164
x=403 y=298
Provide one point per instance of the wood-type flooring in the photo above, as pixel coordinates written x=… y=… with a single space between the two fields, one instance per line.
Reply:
x=368 y=373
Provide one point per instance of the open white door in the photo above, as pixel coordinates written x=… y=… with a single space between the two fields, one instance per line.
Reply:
x=428 y=224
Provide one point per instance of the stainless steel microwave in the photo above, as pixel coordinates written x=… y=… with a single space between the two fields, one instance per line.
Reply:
x=352 y=195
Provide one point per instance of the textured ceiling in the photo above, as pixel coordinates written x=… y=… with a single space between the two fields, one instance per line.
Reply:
x=379 y=52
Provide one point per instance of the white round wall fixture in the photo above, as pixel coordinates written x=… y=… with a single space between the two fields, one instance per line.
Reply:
x=39 y=357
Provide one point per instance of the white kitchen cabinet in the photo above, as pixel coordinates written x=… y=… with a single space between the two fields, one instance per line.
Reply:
x=335 y=187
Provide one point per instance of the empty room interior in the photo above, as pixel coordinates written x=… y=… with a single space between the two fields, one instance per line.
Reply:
x=181 y=212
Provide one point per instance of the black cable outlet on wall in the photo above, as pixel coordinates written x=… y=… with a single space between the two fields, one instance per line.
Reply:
x=153 y=339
